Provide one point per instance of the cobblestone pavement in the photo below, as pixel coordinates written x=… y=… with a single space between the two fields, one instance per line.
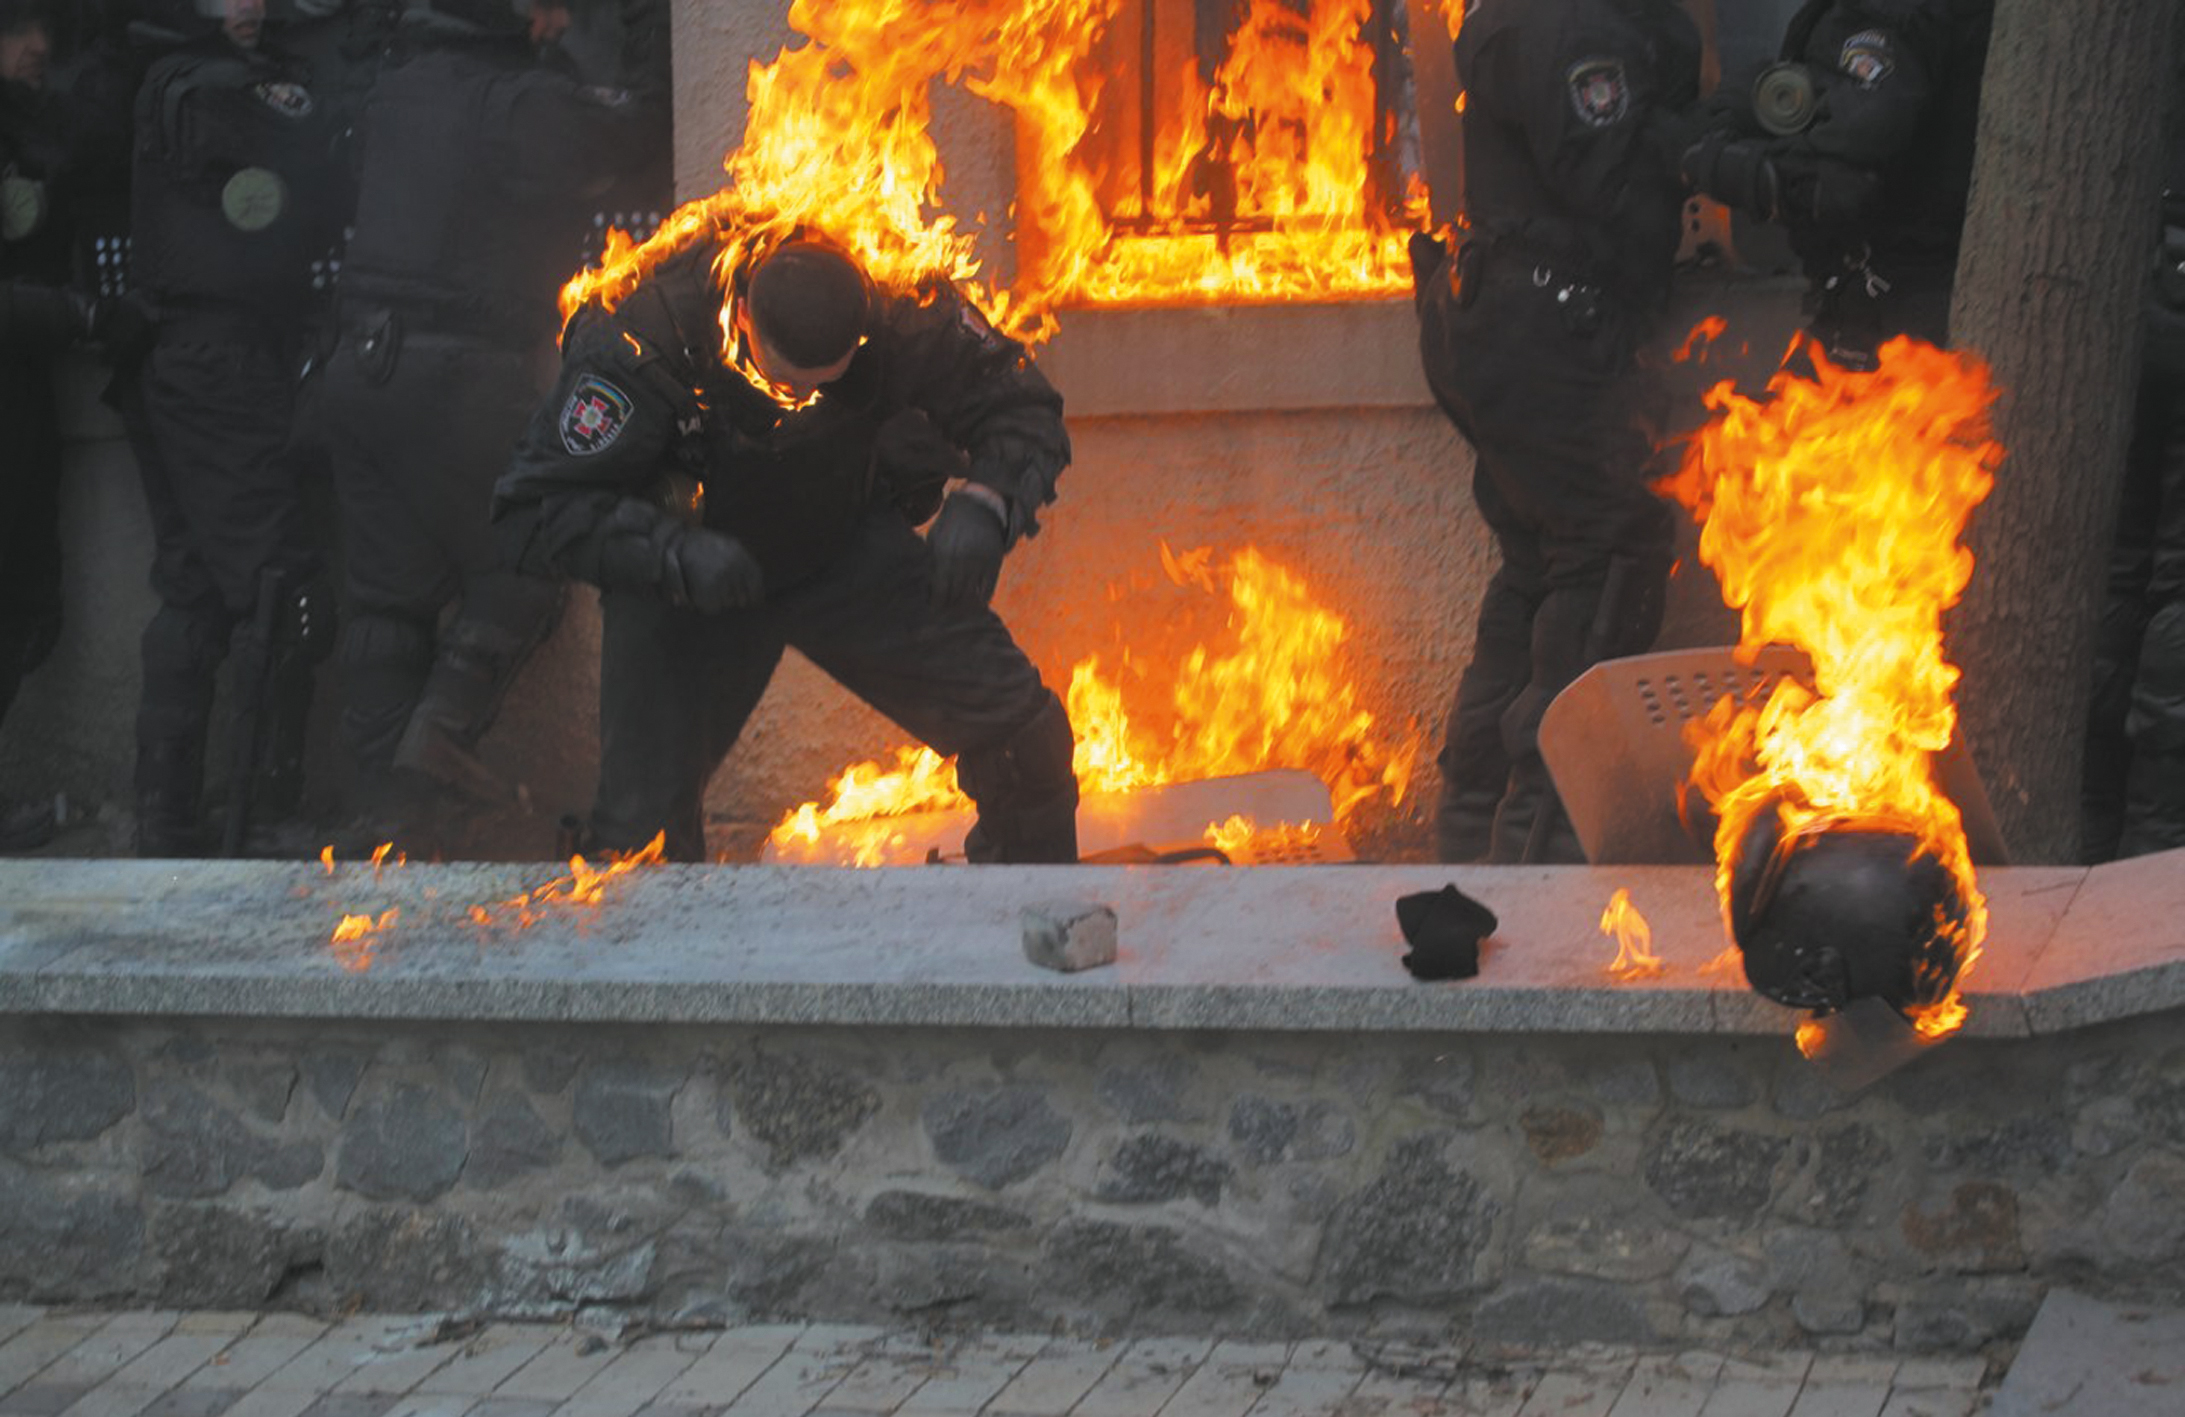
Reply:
x=139 y=1363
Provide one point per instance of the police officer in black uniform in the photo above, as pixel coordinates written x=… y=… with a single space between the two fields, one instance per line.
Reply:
x=40 y=315
x=1859 y=140
x=1530 y=335
x=475 y=198
x=2135 y=759
x=733 y=495
x=236 y=193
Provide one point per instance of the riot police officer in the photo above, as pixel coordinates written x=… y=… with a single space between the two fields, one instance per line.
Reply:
x=475 y=194
x=39 y=317
x=2135 y=758
x=235 y=195
x=737 y=481
x=1859 y=140
x=1530 y=335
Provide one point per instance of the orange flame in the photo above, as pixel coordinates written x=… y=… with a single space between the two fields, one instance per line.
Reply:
x=1278 y=697
x=1240 y=837
x=1635 y=957
x=354 y=942
x=1831 y=512
x=585 y=885
x=1260 y=185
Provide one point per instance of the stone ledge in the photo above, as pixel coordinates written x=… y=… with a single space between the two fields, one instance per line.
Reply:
x=1267 y=948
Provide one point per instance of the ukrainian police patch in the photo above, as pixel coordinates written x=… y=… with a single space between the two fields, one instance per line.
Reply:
x=287 y=99
x=1866 y=57
x=1599 y=91
x=594 y=415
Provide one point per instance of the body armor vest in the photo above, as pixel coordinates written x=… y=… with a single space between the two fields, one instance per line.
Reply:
x=229 y=199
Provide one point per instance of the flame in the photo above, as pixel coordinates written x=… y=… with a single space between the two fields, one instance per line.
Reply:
x=353 y=940
x=1810 y=1036
x=585 y=885
x=1635 y=957
x=1831 y=512
x=1262 y=183
x=1240 y=837
x=1278 y=696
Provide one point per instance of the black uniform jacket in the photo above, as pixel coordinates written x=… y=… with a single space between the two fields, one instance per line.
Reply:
x=645 y=409
x=1573 y=131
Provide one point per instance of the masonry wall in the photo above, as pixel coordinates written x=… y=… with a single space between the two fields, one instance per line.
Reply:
x=1648 y=1190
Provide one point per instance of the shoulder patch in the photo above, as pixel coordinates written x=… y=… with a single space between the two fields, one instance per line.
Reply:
x=1866 y=57
x=1599 y=91
x=287 y=99
x=594 y=416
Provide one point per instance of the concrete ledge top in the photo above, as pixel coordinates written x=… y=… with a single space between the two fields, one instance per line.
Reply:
x=1258 y=948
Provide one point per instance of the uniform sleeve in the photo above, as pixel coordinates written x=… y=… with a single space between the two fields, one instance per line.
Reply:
x=1593 y=109
x=562 y=137
x=1875 y=89
x=982 y=390
x=584 y=496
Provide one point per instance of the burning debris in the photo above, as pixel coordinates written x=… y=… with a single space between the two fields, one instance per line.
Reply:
x=1635 y=957
x=1278 y=695
x=1831 y=512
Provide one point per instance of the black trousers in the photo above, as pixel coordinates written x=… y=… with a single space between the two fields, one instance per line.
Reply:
x=1560 y=418
x=677 y=686
x=417 y=429
x=2134 y=794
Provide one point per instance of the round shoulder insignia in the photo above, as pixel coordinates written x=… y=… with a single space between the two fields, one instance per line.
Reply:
x=22 y=207
x=290 y=100
x=593 y=416
x=1599 y=92
x=1866 y=57
x=254 y=198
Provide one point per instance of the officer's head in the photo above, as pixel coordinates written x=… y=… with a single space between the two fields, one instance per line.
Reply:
x=26 y=43
x=804 y=311
x=242 y=21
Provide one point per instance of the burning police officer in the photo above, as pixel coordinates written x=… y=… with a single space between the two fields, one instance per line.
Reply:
x=1529 y=333
x=475 y=193
x=1860 y=142
x=233 y=199
x=737 y=454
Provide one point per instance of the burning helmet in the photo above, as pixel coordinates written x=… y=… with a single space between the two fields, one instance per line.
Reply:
x=809 y=298
x=1843 y=910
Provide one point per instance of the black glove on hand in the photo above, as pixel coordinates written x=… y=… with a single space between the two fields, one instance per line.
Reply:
x=967 y=540
x=711 y=571
x=1735 y=172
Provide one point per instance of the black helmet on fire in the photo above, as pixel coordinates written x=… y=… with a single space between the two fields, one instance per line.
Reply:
x=808 y=299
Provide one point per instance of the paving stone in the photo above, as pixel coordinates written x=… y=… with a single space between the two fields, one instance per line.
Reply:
x=1380 y=1394
x=105 y=1349
x=107 y=1400
x=659 y=1409
x=1750 y=1397
x=233 y=1323
x=970 y=1376
x=1573 y=1394
x=560 y=1368
x=881 y=1382
x=483 y=1361
x=1840 y=1399
x=635 y=1378
x=272 y=1402
x=736 y=1360
x=193 y=1402
x=351 y=1404
x=1144 y=1377
x=433 y=1404
x=14 y=1318
x=1306 y=1392
x=1852 y=1368
x=793 y=1385
x=337 y=1353
x=397 y=1369
x=1920 y=1373
x=41 y=1399
x=1229 y=1380
x=1052 y=1383
x=36 y=1348
x=1672 y=1386
x=166 y=1363
x=1936 y=1402
x=511 y=1407
x=267 y=1348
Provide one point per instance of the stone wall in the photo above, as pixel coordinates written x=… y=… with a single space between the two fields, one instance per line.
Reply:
x=1639 y=1189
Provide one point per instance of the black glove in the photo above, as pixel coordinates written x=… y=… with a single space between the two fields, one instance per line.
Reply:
x=1830 y=193
x=710 y=571
x=124 y=325
x=1428 y=255
x=1444 y=929
x=967 y=539
x=1735 y=172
